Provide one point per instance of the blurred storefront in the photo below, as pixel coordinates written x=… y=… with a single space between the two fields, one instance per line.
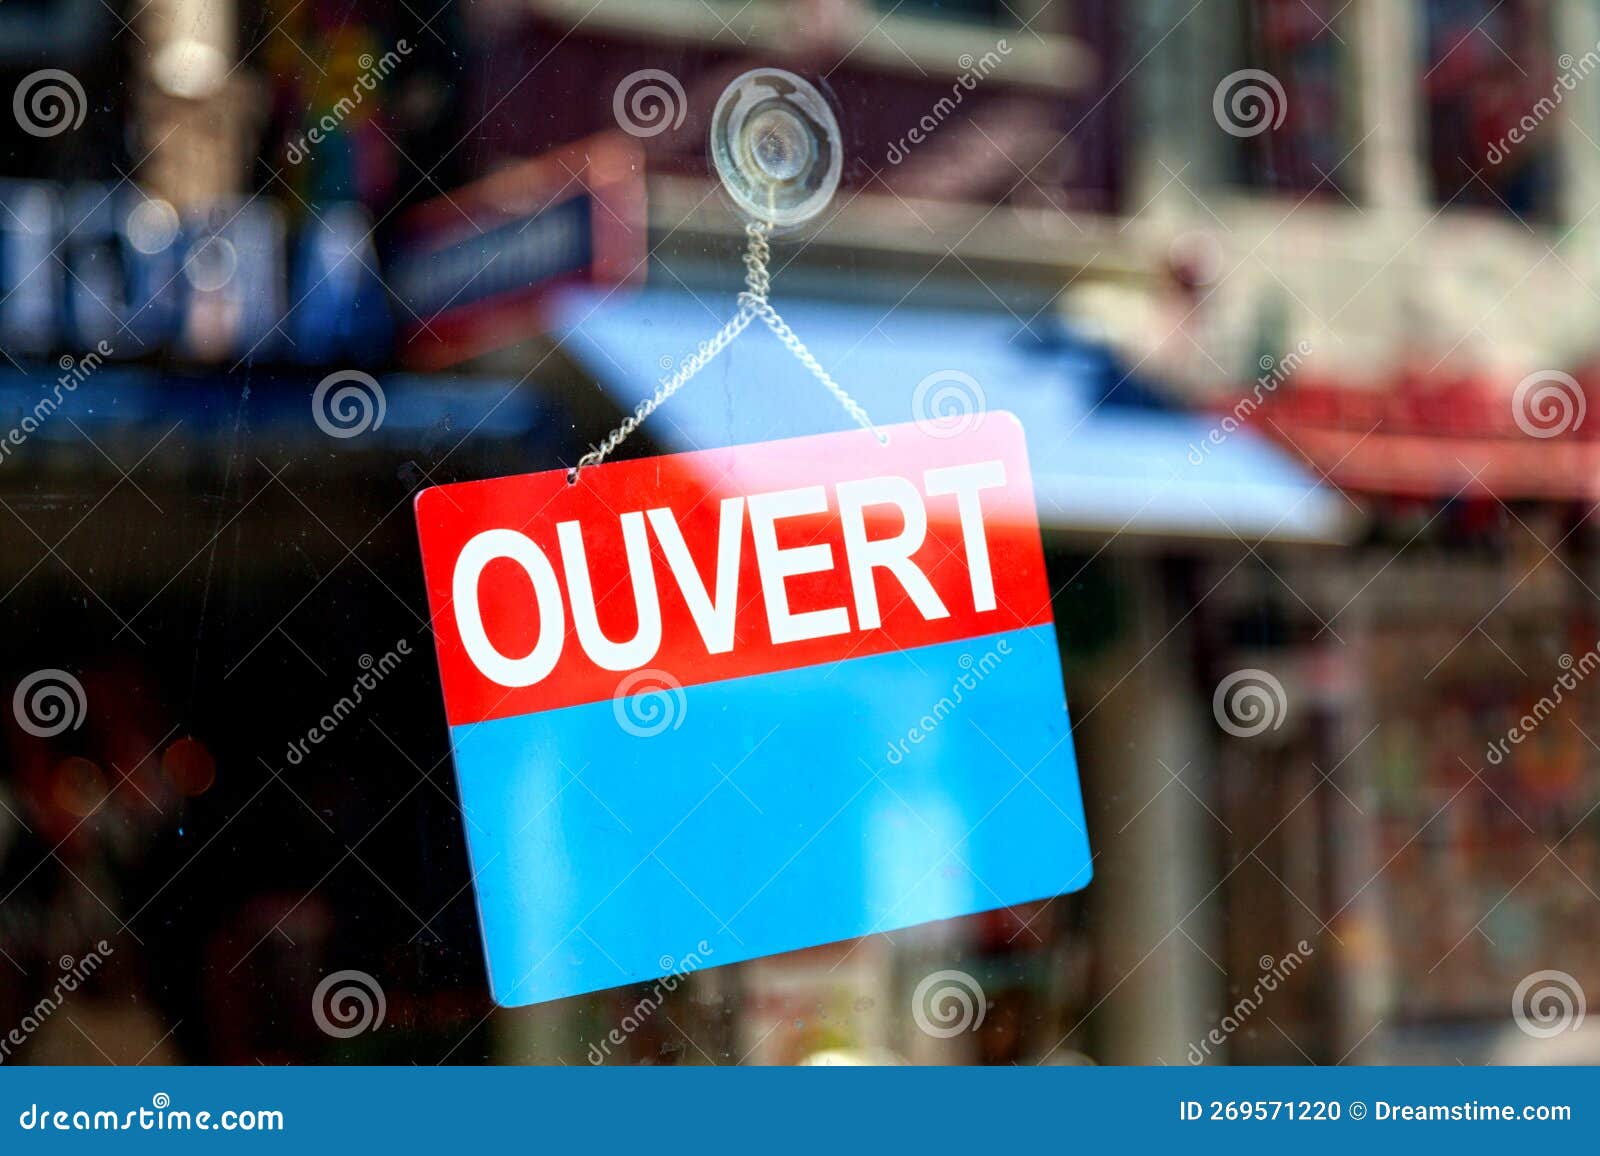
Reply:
x=224 y=305
x=1443 y=669
x=1072 y=237
x=1433 y=289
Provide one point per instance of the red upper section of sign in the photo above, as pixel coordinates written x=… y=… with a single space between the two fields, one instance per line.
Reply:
x=984 y=571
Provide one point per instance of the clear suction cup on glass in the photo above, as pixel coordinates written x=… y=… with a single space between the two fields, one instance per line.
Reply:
x=776 y=146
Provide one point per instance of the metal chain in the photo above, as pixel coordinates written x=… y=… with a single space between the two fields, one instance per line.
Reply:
x=753 y=303
x=757 y=253
x=668 y=386
x=757 y=282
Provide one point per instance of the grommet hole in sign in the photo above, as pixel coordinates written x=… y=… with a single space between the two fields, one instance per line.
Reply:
x=776 y=146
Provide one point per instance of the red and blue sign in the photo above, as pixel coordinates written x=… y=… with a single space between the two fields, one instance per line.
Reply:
x=742 y=701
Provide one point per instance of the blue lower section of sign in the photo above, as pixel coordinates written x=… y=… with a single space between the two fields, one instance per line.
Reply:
x=618 y=841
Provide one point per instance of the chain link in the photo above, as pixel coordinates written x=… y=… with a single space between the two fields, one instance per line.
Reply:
x=753 y=303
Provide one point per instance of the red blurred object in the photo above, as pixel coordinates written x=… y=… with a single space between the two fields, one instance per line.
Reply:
x=478 y=265
x=1431 y=438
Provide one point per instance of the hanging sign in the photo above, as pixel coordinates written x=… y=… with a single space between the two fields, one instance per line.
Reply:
x=742 y=701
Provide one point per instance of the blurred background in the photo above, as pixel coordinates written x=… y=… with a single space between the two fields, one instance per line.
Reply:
x=1296 y=299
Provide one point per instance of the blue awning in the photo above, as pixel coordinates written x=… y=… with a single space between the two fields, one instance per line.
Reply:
x=1099 y=464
